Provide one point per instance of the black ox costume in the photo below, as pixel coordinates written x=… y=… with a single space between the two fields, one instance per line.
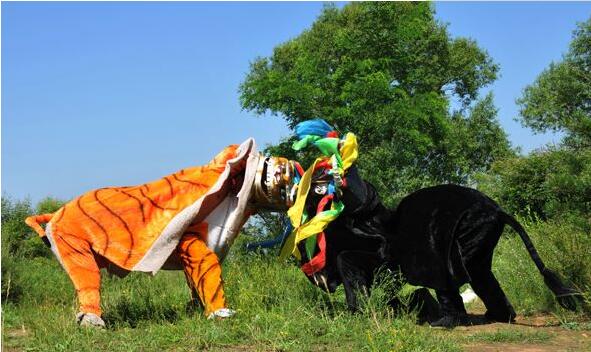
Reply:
x=439 y=237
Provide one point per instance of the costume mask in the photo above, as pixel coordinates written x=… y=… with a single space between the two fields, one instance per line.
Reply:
x=274 y=184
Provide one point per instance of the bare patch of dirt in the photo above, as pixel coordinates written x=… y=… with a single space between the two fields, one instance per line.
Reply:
x=12 y=339
x=538 y=333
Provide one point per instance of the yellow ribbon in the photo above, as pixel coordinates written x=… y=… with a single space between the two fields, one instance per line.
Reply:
x=349 y=151
x=316 y=225
x=297 y=209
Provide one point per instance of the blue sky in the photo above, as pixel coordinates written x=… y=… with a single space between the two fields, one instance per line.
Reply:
x=100 y=94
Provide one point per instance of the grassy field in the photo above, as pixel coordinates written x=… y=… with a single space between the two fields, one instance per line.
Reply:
x=278 y=310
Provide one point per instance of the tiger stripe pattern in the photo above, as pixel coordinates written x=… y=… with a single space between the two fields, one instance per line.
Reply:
x=120 y=225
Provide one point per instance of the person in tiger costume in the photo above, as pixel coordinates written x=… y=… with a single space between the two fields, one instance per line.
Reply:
x=186 y=220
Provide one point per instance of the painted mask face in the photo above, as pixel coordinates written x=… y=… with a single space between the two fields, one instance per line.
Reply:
x=274 y=184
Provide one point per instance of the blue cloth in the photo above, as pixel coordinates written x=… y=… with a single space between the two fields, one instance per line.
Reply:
x=316 y=127
x=271 y=242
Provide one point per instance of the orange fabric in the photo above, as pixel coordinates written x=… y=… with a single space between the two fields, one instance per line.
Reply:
x=33 y=222
x=202 y=269
x=80 y=264
x=121 y=223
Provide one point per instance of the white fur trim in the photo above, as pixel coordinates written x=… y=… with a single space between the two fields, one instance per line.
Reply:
x=54 y=249
x=225 y=222
x=170 y=236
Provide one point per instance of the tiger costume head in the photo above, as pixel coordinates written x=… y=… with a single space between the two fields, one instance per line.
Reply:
x=274 y=184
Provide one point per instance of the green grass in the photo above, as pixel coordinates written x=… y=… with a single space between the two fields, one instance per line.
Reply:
x=278 y=310
x=510 y=336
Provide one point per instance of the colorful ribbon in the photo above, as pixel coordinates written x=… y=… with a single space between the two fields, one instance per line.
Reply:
x=338 y=156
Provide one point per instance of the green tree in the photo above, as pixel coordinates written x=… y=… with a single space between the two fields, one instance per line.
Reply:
x=560 y=97
x=554 y=182
x=387 y=72
x=475 y=142
x=547 y=183
x=14 y=229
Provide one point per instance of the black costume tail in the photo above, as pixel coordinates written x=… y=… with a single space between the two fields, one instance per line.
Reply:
x=567 y=297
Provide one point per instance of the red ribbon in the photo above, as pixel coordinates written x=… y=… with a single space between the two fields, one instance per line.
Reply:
x=299 y=168
x=323 y=164
x=319 y=261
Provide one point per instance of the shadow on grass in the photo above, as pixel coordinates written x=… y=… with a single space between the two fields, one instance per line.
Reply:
x=126 y=313
x=469 y=320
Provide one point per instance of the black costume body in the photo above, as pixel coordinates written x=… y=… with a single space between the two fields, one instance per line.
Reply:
x=439 y=237
x=357 y=247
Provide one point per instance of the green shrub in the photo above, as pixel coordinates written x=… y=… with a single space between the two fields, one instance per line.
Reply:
x=49 y=205
x=14 y=229
x=20 y=241
x=11 y=288
x=548 y=183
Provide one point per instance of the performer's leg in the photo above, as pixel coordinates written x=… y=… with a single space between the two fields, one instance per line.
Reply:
x=203 y=271
x=452 y=309
x=450 y=301
x=498 y=307
x=79 y=262
x=356 y=269
x=484 y=283
x=195 y=300
x=428 y=309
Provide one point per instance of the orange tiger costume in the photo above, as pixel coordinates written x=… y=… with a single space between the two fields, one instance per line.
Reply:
x=187 y=219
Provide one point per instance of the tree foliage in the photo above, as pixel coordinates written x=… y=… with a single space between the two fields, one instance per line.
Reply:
x=387 y=72
x=560 y=97
x=548 y=184
x=476 y=141
x=554 y=182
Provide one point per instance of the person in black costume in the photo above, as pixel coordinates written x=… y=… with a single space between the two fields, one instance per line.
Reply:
x=439 y=237
x=356 y=247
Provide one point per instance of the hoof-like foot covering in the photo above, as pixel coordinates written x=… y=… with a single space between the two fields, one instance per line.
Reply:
x=451 y=321
x=221 y=313
x=90 y=320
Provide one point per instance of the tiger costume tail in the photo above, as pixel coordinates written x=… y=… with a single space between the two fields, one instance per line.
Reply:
x=35 y=222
